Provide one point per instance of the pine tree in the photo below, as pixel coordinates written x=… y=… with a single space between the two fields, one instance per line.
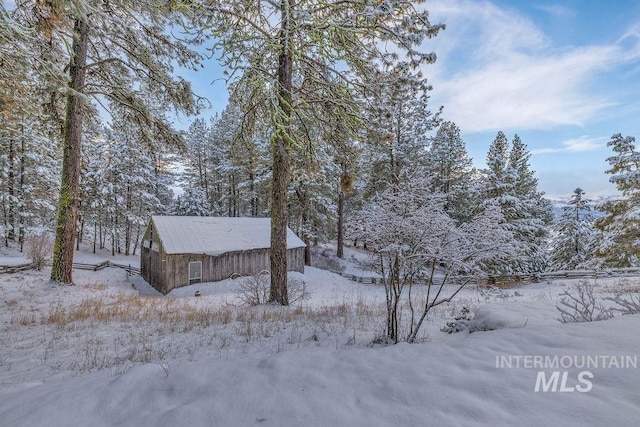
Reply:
x=498 y=177
x=28 y=145
x=119 y=186
x=532 y=213
x=398 y=123
x=288 y=59
x=619 y=238
x=192 y=202
x=118 y=50
x=510 y=184
x=573 y=234
x=198 y=169
x=451 y=170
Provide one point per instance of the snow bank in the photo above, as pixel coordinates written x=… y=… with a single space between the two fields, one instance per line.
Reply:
x=454 y=382
x=321 y=377
x=514 y=314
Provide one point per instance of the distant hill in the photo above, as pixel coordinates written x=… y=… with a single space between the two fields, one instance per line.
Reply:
x=558 y=205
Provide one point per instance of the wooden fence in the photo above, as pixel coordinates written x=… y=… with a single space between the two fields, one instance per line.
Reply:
x=497 y=280
x=511 y=279
x=14 y=268
x=78 y=266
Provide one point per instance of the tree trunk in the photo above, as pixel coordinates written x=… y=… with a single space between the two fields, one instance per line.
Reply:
x=252 y=189
x=136 y=241
x=23 y=161
x=11 y=235
x=304 y=207
x=340 y=249
x=281 y=163
x=128 y=231
x=81 y=223
x=61 y=270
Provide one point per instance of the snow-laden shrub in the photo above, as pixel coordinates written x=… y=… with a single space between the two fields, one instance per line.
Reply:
x=459 y=324
x=413 y=240
x=579 y=305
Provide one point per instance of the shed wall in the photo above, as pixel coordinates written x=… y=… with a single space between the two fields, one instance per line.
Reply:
x=169 y=271
x=151 y=253
x=216 y=268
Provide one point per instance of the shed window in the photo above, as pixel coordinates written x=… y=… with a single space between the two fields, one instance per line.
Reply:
x=195 y=272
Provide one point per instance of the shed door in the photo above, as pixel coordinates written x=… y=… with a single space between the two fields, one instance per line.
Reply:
x=195 y=272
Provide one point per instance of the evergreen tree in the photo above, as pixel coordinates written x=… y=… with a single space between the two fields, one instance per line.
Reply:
x=618 y=242
x=533 y=213
x=192 y=202
x=28 y=166
x=451 y=170
x=511 y=184
x=398 y=123
x=118 y=51
x=498 y=177
x=198 y=169
x=288 y=59
x=573 y=234
x=28 y=143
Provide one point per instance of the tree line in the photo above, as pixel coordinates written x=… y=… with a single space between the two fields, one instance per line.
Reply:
x=328 y=124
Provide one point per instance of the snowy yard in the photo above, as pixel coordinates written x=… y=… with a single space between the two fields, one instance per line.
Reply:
x=112 y=351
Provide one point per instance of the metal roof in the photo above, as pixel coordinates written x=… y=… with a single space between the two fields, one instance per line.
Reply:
x=216 y=235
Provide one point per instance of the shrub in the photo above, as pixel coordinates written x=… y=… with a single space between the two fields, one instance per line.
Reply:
x=580 y=305
x=626 y=299
x=254 y=290
x=38 y=247
x=461 y=323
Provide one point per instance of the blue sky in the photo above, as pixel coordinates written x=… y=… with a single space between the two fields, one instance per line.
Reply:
x=563 y=75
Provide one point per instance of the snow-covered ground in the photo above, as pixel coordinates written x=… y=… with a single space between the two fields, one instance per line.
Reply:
x=113 y=351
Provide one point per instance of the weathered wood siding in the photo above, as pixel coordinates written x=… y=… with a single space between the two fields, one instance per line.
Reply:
x=295 y=259
x=151 y=254
x=221 y=267
x=169 y=271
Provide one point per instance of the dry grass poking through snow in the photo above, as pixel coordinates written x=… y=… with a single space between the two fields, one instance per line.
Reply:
x=183 y=314
x=64 y=331
x=133 y=308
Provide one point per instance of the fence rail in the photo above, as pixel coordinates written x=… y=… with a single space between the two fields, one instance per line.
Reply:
x=370 y=280
x=76 y=265
x=14 y=268
x=514 y=278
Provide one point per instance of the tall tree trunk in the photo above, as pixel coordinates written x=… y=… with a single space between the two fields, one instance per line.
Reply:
x=340 y=249
x=21 y=216
x=61 y=270
x=281 y=163
x=11 y=190
x=6 y=224
x=136 y=241
x=252 y=189
x=128 y=225
x=304 y=203
x=81 y=227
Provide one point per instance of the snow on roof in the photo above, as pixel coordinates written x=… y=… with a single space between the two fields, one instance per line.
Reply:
x=216 y=235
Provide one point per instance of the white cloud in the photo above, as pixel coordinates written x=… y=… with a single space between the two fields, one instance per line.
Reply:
x=576 y=145
x=497 y=70
x=556 y=10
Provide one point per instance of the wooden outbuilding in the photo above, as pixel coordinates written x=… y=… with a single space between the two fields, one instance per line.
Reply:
x=183 y=250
